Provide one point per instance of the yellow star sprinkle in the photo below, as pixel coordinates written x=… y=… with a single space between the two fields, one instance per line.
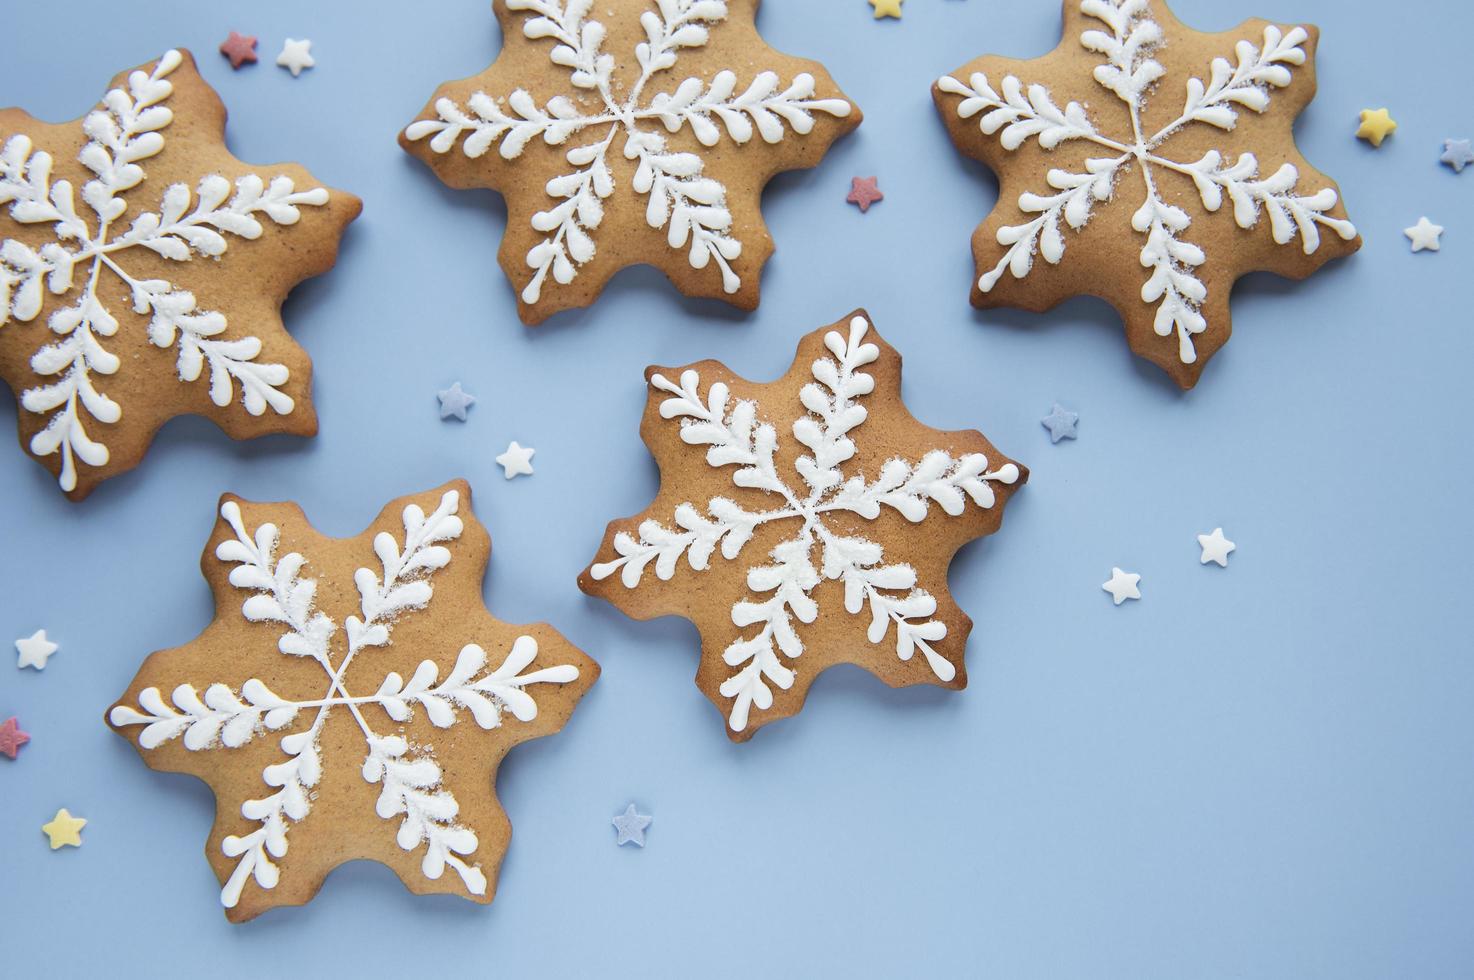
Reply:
x=64 y=829
x=887 y=8
x=1376 y=125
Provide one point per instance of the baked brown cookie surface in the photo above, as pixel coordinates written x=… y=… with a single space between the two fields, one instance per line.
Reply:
x=804 y=523
x=352 y=699
x=631 y=132
x=1148 y=164
x=142 y=272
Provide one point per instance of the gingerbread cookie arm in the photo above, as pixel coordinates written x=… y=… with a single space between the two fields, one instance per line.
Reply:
x=353 y=699
x=803 y=523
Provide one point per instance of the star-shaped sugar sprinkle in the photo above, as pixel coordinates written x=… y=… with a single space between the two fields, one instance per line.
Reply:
x=1216 y=548
x=296 y=56
x=64 y=830
x=1376 y=125
x=1123 y=586
x=625 y=132
x=1457 y=154
x=1424 y=235
x=864 y=192
x=516 y=461
x=34 y=650
x=240 y=49
x=887 y=8
x=11 y=737
x=454 y=401
x=631 y=826
x=1060 y=422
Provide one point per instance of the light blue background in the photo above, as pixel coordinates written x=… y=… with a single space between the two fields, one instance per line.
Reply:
x=1264 y=771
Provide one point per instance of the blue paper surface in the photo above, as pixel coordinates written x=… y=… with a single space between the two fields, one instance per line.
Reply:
x=1259 y=771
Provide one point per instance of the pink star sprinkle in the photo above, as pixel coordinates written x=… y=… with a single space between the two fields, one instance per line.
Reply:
x=12 y=738
x=240 y=49
x=864 y=192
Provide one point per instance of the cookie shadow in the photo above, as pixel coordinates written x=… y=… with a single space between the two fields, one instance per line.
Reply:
x=634 y=296
x=1089 y=313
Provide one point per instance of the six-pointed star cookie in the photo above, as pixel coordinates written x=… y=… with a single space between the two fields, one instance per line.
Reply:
x=628 y=132
x=1150 y=165
x=352 y=699
x=142 y=271
x=804 y=523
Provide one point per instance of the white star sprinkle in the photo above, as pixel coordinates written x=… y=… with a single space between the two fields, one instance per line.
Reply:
x=1123 y=586
x=516 y=461
x=34 y=650
x=296 y=56
x=1216 y=547
x=1424 y=235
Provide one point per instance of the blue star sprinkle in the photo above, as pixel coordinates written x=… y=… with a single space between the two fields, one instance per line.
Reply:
x=1060 y=423
x=454 y=402
x=631 y=826
x=1457 y=154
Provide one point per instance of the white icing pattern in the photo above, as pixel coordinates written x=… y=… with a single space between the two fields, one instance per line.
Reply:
x=1018 y=113
x=127 y=130
x=409 y=777
x=691 y=206
x=735 y=437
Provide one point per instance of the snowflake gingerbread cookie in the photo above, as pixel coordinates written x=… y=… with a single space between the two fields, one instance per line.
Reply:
x=627 y=132
x=142 y=271
x=352 y=699
x=1160 y=159
x=804 y=523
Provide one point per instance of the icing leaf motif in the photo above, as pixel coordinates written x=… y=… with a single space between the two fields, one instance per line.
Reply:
x=814 y=524
x=1013 y=117
x=412 y=790
x=761 y=108
x=1135 y=41
x=486 y=698
x=1246 y=83
x=220 y=716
